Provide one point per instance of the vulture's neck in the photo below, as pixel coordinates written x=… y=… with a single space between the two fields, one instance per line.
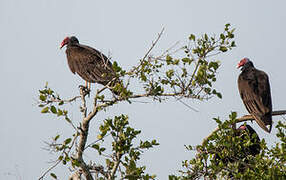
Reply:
x=73 y=44
x=247 y=67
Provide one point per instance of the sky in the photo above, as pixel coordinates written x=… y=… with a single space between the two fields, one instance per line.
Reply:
x=30 y=35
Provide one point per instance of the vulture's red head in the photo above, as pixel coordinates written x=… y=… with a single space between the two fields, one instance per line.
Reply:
x=247 y=128
x=242 y=127
x=69 y=40
x=243 y=62
x=65 y=42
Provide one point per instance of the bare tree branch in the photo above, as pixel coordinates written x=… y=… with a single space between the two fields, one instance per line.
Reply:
x=154 y=43
x=149 y=50
x=64 y=100
x=83 y=136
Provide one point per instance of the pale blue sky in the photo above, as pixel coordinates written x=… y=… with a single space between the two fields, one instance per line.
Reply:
x=31 y=32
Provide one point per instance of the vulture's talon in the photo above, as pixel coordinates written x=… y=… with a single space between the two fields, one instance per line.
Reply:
x=81 y=87
x=84 y=90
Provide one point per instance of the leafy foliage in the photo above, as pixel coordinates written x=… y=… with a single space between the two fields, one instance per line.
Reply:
x=191 y=76
x=48 y=98
x=233 y=162
x=124 y=153
x=188 y=75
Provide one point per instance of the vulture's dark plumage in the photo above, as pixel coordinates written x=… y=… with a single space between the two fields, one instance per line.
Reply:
x=255 y=147
x=254 y=89
x=90 y=64
x=239 y=154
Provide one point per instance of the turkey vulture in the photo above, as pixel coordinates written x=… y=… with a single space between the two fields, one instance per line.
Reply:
x=239 y=152
x=255 y=147
x=254 y=90
x=90 y=64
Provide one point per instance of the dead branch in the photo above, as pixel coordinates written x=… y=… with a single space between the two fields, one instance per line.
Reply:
x=148 y=52
x=154 y=43
x=242 y=119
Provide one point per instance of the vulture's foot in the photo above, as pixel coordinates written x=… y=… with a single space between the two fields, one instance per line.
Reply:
x=84 y=90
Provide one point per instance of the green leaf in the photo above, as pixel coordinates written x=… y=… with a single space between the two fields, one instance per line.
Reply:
x=187 y=60
x=223 y=49
x=143 y=77
x=102 y=149
x=227 y=27
x=154 y=142
x=61 y=103
x=169 y=59
x=53 y=109
x=206 y=37
x=43 y=97
x=176 y=62
x=75 y=163
x=170 y=73
x=60 y=112
x=57 y=137
x=217 y=120
x=45 y=110
x=99 y=136
x=233 y=44
x=116 y=67
x=192 y=37
x=233 y=115
x=54 y=176
x=60 y=158
x=50 y=92
x=222 y=36
x=95 y=146
x=67 y=141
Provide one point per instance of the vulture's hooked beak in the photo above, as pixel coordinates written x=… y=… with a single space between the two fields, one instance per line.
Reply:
x=239 y=65
x=62 y=45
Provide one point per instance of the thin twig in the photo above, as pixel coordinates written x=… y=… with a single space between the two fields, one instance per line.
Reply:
x=154 y=43
x=187 y=105
x=96 y=141
x=53 y=145
x=64 y=100
x=49 y=169
x=148 y=52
